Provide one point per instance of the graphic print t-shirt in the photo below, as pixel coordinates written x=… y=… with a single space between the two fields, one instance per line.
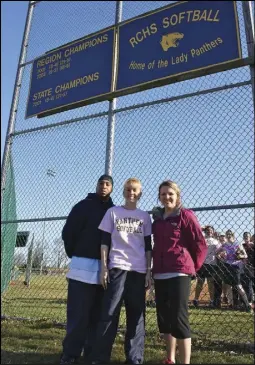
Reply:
x=231 y=249
x=128 y=229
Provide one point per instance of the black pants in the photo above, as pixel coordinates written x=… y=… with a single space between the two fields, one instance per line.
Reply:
x=83 y=311
x=212 y=271
x=172 y=297
x=247 y=281
x=247 y=286
x=218 y=292
x=217 y=283
x=130 y=286
x=231 y=275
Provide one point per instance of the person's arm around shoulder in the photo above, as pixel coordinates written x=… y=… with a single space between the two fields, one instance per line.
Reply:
x=196 y=242
x=106 y=226
x=75 y=222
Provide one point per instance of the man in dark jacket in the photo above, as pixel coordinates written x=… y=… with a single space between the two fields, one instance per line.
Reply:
x=82 y=240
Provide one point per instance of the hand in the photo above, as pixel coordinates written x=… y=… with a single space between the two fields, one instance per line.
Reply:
x=148 y=280
x=240 y=254
x=104 y=277
x=222 y=255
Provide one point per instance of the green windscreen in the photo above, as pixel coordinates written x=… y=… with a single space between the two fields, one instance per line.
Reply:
x=8 y=231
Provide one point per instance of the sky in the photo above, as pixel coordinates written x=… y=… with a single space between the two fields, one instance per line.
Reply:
x=13 y=17
x=204 y=143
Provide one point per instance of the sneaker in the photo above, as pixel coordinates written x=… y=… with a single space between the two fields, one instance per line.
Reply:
x=217 y=304
x=248 y=309
x=234 y=307
x=168 y=361
x=65 y=359
x=211 y=304
x=195 y=303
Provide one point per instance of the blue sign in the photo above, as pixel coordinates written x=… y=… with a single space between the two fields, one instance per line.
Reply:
x=73 y=74
x=181 y=37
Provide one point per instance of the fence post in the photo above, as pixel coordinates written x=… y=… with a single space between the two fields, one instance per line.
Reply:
x=15 y=99
x=249 y=31
x=29 y=262
x=113 y=102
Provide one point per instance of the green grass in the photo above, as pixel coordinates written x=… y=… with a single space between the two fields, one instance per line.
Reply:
x=39 y=342
x=219 y=336
x=46 y=298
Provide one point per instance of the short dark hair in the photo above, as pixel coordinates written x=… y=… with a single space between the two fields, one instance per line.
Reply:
x=207 y=227
x=106 y=177
x=230 y=232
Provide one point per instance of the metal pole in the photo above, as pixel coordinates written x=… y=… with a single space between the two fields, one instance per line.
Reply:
x=45 y=212
x=249 y=31
x=29 y=262
x=50 y=173
x=15 y=99
x=112 y=103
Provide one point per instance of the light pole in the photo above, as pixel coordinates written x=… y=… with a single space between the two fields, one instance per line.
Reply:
x=50 y=173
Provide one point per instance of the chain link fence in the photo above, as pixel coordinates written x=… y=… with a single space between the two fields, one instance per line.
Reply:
x=199 y=133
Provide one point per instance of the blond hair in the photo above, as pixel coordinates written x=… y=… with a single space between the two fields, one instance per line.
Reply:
x=132 y=180
x=171 y=184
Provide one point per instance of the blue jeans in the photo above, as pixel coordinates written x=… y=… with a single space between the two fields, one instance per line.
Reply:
x=83 y=311
x=130 y=287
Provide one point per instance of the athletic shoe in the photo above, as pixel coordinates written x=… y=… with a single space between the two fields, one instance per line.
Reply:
x=211 y=304
x=248 y=309
x=168 y=361
x=234 y=307
x=217 y=304
x=65 y=359
x=195 y=303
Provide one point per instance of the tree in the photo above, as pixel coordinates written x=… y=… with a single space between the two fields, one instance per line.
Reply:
x=38 y=255
x=20 y=259
x=61 y=256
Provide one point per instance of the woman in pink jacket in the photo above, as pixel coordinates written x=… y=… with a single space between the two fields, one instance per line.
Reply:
x=178 y=253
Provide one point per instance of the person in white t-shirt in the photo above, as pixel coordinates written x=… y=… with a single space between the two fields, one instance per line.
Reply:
x=226 y=289
x=125 y=273
x=209 y=269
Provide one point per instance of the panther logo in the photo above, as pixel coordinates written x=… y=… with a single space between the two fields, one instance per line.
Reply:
x=170 y=40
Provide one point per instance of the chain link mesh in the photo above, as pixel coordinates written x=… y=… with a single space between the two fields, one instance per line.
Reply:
x=204 y=142
x=55 y=23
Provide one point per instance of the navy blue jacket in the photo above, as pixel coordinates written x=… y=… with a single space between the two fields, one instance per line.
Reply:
x=80 y=234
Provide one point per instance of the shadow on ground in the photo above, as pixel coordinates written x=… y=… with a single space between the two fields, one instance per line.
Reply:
x=10 y=357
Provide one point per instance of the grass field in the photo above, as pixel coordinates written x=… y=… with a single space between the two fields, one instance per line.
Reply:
x=219 y=336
